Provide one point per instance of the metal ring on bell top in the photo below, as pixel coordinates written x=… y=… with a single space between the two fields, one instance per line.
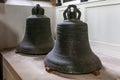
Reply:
x=37 y=10
x=70 y=13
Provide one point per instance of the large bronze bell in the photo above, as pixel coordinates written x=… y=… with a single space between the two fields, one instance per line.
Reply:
x=38 y=38
x=71 y=53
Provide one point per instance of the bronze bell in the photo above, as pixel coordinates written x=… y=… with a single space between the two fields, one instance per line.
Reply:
x=71 y=53
x=38 y=37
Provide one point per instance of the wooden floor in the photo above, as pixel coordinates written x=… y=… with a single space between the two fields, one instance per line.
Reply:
x=30 y=67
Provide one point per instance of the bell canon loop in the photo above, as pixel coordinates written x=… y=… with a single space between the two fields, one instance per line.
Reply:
x=38 y=37
x=71 y=53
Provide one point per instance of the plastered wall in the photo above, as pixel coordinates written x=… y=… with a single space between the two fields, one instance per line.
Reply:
x=13 y=23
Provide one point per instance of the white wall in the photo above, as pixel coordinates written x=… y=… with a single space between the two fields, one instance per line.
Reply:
x=103 y=19
x=13 y=22
x=104 y=24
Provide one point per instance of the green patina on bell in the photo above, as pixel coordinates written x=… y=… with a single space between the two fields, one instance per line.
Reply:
x=72 y=53
x=38 y=36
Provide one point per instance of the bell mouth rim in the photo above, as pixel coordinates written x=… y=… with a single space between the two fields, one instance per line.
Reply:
x=68 y=67
x=71 y=71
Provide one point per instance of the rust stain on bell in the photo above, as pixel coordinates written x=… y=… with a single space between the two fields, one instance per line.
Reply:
x=71 y=53
x=38 y=37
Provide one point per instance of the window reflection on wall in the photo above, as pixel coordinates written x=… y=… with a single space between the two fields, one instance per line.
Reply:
x=84 y=0
x=74 y=0
x=67 y=0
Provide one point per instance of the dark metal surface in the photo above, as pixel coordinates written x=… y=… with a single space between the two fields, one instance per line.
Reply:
x=38 y=37
x=3 y=1
x=58 y=3
x=84 y=0
x=72 y=53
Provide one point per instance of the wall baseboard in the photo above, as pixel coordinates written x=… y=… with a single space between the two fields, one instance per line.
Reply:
x=105 y=48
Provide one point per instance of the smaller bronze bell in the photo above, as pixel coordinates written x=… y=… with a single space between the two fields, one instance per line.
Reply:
x=71 y=53
x=38 y=37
